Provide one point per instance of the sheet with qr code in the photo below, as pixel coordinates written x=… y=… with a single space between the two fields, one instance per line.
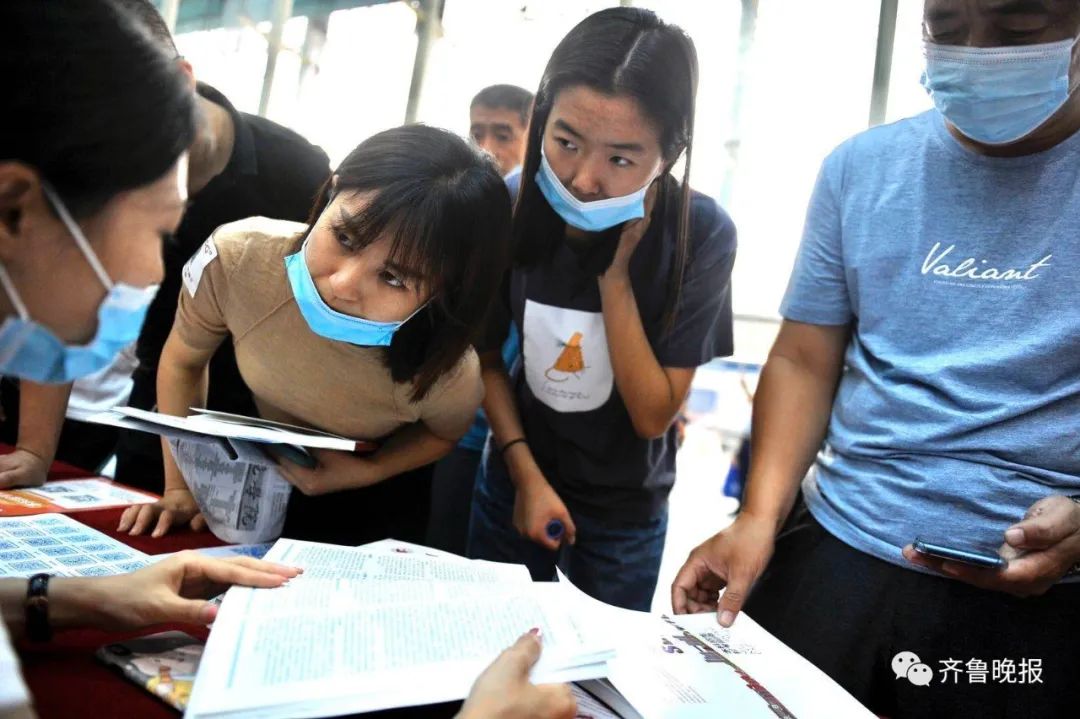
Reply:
x=57 y=544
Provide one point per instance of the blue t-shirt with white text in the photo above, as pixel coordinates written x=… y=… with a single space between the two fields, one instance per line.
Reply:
x=959 y=406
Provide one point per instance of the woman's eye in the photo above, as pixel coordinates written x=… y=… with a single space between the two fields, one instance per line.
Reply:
x=566 y=144
x=392 y=280
x=344 y=240
x=621 y=161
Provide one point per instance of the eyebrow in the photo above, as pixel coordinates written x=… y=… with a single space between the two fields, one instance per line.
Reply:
x=565 y=127
x=939 y=15
x=1018 y=7
x=401 y=270
x=626 y=146
x=493 y=125
x=346 y=217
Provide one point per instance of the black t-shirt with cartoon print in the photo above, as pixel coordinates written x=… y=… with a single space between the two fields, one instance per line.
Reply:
x=576 y=423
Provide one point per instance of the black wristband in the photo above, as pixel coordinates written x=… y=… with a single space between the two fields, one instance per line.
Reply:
x=38 y=628
x=508 y=445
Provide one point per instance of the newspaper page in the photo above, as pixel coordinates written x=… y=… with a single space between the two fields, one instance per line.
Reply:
x=243 y=498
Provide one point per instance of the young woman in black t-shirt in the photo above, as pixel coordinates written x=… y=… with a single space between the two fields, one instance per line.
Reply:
x=620 y=290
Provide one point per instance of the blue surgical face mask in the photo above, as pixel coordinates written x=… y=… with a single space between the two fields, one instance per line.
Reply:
x=589 y=216
x=998 y=95
x=31 y=351
x=327 y=322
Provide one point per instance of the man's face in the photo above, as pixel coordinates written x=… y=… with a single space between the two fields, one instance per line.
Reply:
x=1000 y=23
x=501 y=133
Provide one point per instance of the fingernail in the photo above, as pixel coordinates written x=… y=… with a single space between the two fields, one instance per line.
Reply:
x=535 y=631
x=727 y=618
x=1014 y=536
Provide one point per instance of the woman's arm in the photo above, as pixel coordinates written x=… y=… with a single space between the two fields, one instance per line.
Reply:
x=182 y=382
x=536 y=503
x=408 y=448
x=652 y=394
x=172 y=590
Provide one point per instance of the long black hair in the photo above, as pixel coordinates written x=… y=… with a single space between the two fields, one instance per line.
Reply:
x=619 y=51
x=448 y=213
x=90 y=99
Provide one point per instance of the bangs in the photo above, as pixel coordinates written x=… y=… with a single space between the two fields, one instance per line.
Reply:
x=411 y=220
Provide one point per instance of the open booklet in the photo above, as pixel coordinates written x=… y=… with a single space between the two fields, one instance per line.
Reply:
x=394 y=624
x=363 y=630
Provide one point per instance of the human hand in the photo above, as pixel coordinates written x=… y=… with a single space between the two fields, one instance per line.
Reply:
x=536 y=504
x=172 y=590
x=732 y=560
x=23 y=468
x=176 y=508
x=630 y=238
x=503 y=691
x=1040 y=550
x=334 y=471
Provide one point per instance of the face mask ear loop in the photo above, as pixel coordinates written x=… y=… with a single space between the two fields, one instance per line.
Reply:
x=12 y=293
x=77 y=235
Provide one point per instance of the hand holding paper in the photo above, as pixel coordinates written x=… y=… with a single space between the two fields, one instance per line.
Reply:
x=504 y=691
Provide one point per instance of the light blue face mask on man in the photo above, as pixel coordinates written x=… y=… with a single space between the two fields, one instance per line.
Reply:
x=589 y=216
x=31 y=351
x=997 y=95
x=327 y=322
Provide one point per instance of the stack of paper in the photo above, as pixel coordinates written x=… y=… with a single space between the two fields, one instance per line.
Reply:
x=380 y=627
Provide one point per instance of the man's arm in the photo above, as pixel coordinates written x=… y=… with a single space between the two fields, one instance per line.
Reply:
x=792 y=408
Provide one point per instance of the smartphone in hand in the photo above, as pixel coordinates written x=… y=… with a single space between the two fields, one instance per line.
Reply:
x=975 y=558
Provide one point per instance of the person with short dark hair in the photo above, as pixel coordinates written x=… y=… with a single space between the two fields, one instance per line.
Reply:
x=499 y=125
x=358 y=323
x=240 y=166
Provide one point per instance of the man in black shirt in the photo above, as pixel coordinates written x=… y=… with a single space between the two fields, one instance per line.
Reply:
x=240 y=165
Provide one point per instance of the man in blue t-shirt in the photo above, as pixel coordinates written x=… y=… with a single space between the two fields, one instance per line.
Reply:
x=931 y=338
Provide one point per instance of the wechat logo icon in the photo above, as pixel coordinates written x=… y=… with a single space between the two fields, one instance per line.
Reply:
x=907 y=665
